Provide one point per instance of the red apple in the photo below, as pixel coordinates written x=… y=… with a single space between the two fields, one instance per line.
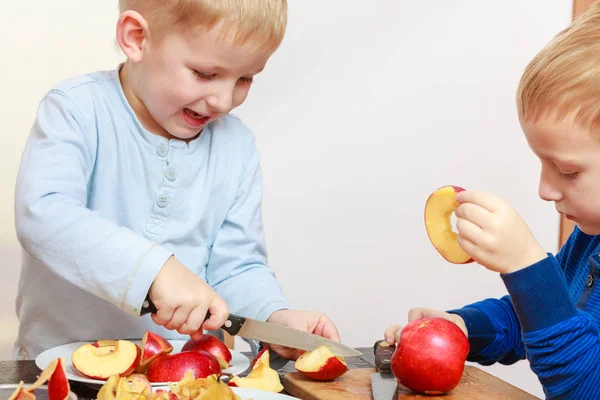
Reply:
x=153 y=345
x=94 y=363
x=172 y=367
x=321 y=364
x=439 y=207
x=431 y=355
x=212 y=345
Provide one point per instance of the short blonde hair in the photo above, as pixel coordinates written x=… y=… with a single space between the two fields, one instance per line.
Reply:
x=257 y=20
x=564 y=77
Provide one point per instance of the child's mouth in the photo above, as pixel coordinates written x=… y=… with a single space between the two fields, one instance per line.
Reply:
x=193 y=118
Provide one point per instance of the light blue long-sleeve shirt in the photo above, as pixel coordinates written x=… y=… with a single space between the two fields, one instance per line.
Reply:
x=101 y=204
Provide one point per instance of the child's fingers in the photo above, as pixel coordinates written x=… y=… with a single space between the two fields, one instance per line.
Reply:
x=330 y=331
x=194 y=321
x=391 y=333
x=417 y=313
x=163 y=315
x=219 y=312
x=178 y=318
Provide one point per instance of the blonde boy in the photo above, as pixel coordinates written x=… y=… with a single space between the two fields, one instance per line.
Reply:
x=139 y=182
x=551 y=315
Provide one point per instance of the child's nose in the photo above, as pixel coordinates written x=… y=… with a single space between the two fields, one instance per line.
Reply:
x=549 y=192
x=221 y=102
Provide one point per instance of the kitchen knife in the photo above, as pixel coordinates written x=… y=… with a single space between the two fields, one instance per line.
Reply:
x=383 y=382
x=268 y=332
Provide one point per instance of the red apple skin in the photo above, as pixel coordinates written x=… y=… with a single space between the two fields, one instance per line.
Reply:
x=153 y=345
x=172 y=367
x=333 y=368
x=58 y=386
x=431 y=355
x=210 y=344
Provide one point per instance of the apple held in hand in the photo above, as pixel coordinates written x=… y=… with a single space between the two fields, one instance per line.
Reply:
x=96 y=363
x=430 y=356
x=172 y=367
x=321 y=364
x=212 y=345
x=439 y=208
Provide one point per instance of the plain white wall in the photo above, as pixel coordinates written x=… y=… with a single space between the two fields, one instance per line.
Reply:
x=365 y=109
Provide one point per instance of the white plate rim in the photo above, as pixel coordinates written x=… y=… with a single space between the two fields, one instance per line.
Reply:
x=239 y=362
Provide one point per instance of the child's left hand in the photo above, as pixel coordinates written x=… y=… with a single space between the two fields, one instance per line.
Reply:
x=493 y=234
x=308 y=321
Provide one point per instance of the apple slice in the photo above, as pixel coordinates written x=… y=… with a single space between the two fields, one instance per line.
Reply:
x=21 y=394
x=96 y=364
x=153 y=345
x=172 y=367
x=321 y=364
x=212 y=345
x=263 y=357
x=439 y=207
x=262 y=377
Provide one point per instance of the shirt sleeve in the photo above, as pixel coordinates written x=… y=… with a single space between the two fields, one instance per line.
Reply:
x=55 y=227
x=237 y=267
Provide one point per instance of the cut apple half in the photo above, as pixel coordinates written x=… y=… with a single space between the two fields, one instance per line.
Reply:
x=439 y=207
x=94 y=363
x=321 y=364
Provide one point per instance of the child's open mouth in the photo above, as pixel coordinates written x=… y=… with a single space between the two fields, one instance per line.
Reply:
x=193 y=118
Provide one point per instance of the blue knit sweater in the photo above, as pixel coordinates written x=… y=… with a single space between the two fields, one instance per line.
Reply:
x=551 y=317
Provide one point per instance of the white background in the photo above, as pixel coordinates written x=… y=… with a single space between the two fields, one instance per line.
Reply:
x=365 y=109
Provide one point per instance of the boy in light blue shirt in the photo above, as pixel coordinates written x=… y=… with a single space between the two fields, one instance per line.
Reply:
x=139 y=182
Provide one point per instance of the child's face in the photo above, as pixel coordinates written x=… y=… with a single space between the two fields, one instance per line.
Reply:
x=184 y=82
x=570 y=176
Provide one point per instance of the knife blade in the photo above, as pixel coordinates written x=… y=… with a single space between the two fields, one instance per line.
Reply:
x=383 y=383
x=271 y=333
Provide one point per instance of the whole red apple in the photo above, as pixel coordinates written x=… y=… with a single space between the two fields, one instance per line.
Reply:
x=430 y=356
x=172 y=367
x=212 y=345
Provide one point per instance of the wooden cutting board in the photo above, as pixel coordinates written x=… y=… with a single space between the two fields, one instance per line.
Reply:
x=356 y=385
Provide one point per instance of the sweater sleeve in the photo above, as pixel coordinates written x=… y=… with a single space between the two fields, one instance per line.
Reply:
x=54 y=225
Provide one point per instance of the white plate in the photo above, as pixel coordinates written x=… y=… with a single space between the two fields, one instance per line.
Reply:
x=239 y=362
x=248 y=394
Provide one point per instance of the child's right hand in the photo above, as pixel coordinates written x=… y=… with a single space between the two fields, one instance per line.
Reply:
x=182 y=299
x=392 y=334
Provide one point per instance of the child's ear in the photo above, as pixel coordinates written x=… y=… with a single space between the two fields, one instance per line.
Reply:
x=132 y=30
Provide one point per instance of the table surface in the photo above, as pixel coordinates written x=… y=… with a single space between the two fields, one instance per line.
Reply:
x=12 y=372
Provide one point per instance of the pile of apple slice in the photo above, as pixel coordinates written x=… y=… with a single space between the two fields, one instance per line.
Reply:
x=58 y=384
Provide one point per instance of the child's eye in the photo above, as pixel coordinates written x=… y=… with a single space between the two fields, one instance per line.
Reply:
x=203 y=76
x=570 y=175
x=247 y=80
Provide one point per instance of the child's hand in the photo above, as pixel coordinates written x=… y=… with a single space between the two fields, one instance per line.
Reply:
x=308 y=321
x=182 y=299
x=392 y=334
x=493 y=234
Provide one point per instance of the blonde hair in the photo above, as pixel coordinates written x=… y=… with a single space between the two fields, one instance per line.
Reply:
x=256 y=20
x=564 y=77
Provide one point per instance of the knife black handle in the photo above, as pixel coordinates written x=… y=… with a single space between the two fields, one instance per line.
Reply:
x=232 y=325
x=383 y=355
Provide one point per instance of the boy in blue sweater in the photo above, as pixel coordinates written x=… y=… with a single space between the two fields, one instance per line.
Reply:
x=139 y=182
x=551 y=315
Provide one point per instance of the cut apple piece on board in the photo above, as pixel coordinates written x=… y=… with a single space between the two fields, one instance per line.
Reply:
x=439 y=207
x=153 y=345
x=212 y=345
x=172 y=367
x=94 y=363
x=262 y=377
x=321 y=364
x=263 y=357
